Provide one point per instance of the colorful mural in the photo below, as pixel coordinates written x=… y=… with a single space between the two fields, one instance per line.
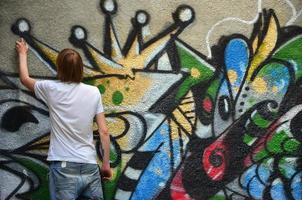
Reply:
x=183 y=125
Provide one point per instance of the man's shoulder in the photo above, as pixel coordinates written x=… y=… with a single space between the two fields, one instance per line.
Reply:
x=90 y=87
x=46 y=83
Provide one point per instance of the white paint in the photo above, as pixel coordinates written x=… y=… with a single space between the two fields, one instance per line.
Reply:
x=254 y=20
x=209 y=170
x=23 y=26
x=109 y=5
x=294 y=11
x=164 y=63
x=153 y=121
x=185 y=14
x=122 y=195
x=79 y=33
x=161 y=184
x=133 y=173
x=226 y=105
x=203 y=131
x=115 y=45
x=294 y=18
x=141 y=18
x=25 y=172
x=146 y=32
x=217 y=175
x=290 y=114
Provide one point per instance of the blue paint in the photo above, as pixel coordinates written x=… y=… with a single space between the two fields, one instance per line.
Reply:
x=296 y=186
x=256 y=188
x=158 y=172
x=276 y=74
x=277 y=191
x=236 y=58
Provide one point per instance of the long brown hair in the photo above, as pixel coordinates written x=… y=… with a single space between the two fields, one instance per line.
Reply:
x=69 y=66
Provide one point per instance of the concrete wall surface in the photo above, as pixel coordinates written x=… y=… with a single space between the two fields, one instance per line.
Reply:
x=203 y=98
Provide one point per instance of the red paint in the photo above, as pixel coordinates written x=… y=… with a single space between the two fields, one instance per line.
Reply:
x=207 y=105
x=177 y=190
x=217 y=148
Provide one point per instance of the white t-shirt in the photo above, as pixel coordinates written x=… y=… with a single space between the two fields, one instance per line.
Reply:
x=72 y=107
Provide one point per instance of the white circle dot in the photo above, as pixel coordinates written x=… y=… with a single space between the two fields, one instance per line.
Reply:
x=185 y=14
x=141 y=18
x=161 y=184
x=109 y=5
x=23 y=26
x=79 y=33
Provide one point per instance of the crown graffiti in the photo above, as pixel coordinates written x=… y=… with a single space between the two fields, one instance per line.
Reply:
x=136 y=54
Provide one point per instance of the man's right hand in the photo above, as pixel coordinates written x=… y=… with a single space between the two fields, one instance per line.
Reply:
x=106 y=172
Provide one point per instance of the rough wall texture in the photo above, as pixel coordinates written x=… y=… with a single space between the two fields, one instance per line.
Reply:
x=203 y=98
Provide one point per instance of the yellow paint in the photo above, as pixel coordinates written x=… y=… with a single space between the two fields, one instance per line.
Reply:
x=180 y=118
x=115 y=49
x=189 y=108
x=157 y=46
x=125 y=65
x=51 y=54
x=137 y=89
x=116 y=126
x=133 y=61
x=265 y=48
x=133 y=51
x=275 y=89
x=195 y=73
x=255 y=44
x=232 y=75
x=259 y=85
x=158 y=171
x=163 y=131
x=174 y=130
x=104 y=64
x=87 y=72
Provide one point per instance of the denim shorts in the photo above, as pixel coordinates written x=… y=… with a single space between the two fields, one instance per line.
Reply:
x=71 y=181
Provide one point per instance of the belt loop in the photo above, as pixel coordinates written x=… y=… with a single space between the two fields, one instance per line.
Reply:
x=63 y=164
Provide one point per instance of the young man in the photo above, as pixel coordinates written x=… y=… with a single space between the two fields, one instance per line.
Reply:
x=72 y=107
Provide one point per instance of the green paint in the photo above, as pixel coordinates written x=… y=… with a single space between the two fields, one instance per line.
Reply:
x=213 y=88
x=217 y=198
x=89 y=82
x=127 y=89
x=117 y=98
x=274 y=145
x=292 y=145
x=262 y=154
x=102 y=88
x=283 y=167
x=113 y=154
x=251 y=101
x=110 y=186
x=189 y=60
x=41 y=172
x=260 y=122
x=292 y=51
x=248 y=139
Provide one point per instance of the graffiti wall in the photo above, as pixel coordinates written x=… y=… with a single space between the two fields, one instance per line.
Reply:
x=203 y=99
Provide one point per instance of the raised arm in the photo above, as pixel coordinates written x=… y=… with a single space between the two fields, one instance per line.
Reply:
x=22 y=49
x=105 y=140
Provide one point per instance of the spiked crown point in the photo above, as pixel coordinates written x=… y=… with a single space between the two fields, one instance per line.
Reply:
x=108 y=6
x=21 y=26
